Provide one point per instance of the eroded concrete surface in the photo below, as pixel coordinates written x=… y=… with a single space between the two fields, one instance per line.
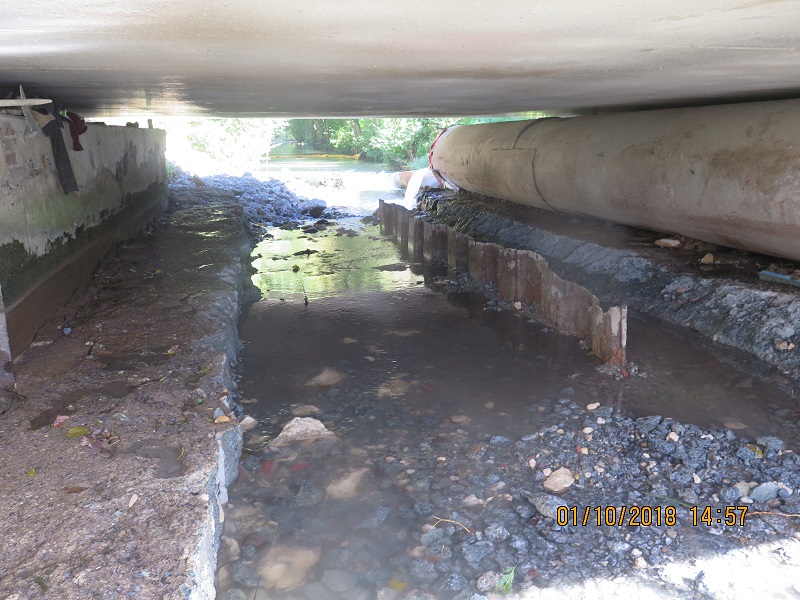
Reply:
x=141 y=359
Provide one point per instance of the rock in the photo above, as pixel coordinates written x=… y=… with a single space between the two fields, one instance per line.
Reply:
x=770 y=443
x=326 y=378
x=730 y=494
x=305 y=410
x=339 y=581
x=477 y=451
x=559 y=480
x=765 y=492
x=454 y=582
x=301 y=429
x=309 y=494
x=248 y=423
x=488 y=581
x=743 y=488
x=229 y=548
x=375 y=520
x=460 y=419
x=546 y=504
x=496 y=533
x=500 y=440
x=734 y=425
x=243 y=574
x=668 y=243
x=475 y=553
x=394 y=387
x=593 y=406
x=421 y=570
x=431 y=537
x=346 y=487
x=284 y=567
x=708 y=259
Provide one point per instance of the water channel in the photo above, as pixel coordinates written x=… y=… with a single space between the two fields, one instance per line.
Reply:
x=426 y=393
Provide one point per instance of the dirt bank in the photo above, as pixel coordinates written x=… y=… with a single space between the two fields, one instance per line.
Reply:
x=122 y=498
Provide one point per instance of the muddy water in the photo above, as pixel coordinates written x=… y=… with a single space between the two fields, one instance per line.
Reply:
x=410 y=366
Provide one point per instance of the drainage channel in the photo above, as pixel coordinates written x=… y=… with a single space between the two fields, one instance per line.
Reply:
x=443 y=436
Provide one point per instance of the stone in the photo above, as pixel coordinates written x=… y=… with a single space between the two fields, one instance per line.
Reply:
x=500 y=440
x=488 y=581
x=284 y=567
x=421 y=570
x=243 y=574
x=326 y=378
x=559 y=480
x=546 y=504
x=248 y=423
x=496 y=533
x=339 y=581
x=454 y=582
x=374 y=520
x=301 y=429
x=396 y=386
x=305 y=410
x=475 y=553
x=770 y=443
x=346 y=486
x=765 y=492
x=309 y=494
x=708 y=259
x=668 y=243
x=229 y=548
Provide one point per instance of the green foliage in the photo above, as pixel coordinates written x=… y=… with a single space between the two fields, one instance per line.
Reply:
x=506 y=580
x=230 y=139
x=398 y=143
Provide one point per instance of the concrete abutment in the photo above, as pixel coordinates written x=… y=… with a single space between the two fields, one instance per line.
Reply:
x=50 y=241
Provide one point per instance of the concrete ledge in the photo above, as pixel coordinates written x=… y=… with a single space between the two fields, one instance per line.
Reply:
x=149 y=359
x=744 y=314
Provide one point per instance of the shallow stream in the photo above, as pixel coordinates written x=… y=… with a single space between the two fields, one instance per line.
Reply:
x=414 y=382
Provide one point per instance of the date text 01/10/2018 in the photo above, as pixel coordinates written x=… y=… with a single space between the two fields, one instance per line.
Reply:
x=647 y=516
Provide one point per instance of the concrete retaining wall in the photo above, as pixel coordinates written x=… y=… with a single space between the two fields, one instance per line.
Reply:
x=50 y=241
x=518 y=275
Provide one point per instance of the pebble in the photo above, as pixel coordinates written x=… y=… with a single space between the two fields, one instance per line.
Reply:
x=243 y=574
x=546 y=504
x=339 y=581
x=488 y=581
x=475 y=553
x=764 y=492
x=422 y=570
x=559 y=480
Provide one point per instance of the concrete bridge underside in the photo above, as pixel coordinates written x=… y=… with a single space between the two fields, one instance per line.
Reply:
x=382 y=58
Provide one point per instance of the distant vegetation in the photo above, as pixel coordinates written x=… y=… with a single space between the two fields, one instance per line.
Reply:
x=398 y=143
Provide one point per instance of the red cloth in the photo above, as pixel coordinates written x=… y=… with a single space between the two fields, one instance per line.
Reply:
x=77 y=127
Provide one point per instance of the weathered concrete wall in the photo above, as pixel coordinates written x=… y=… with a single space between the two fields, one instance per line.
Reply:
x=50 y=241
x=518 y=275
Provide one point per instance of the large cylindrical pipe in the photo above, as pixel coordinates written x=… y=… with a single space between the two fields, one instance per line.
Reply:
x=729 y=174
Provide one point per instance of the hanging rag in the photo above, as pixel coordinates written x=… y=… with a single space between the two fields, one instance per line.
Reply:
x=51 y=126
x=77 y=127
